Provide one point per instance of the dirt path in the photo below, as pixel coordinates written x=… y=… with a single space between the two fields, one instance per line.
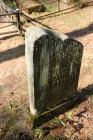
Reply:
x=13 y=82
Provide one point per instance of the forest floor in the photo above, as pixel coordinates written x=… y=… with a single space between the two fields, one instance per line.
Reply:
x=14 y=121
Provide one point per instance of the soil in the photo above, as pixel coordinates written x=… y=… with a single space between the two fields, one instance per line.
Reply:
x=14 y=118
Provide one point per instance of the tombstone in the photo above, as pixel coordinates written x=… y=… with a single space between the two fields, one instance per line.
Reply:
x=53 y=67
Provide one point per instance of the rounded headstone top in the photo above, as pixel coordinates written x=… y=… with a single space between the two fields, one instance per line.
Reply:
x=35 y=32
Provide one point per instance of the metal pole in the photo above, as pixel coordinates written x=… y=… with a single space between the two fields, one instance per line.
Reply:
x=18 y=21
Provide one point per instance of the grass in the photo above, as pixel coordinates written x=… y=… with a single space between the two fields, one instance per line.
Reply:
x=35 y=14
x=11 y=5
x=39 y=134
x=51 y=8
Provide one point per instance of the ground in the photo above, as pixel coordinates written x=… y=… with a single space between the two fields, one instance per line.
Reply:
x=14 y=118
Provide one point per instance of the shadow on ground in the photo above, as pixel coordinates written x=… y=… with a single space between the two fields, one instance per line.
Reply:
x=81 y=32
x=81 y=96
x=12 y=53
x=20 y=50
x=19 y=134
x=8 y=37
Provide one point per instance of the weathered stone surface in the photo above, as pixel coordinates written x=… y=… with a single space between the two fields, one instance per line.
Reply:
x=53 y=66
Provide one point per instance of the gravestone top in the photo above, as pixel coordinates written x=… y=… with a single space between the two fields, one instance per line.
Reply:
x=33 y=33
x=53 y=67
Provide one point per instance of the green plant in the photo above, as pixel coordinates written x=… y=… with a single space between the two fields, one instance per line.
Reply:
x=50 y=9
x=40 y=1
x=13 y=57
x=21 y=37
x=59 y=122
x=39 y=134
x=11 y=5
x=14 y=3
x=69 y=114
x=11 y=111
x=35 y=14
x=65 y=118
